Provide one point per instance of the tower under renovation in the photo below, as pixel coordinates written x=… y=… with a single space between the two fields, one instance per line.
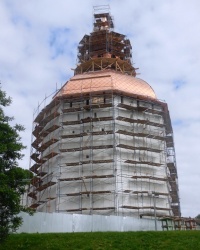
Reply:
x=104 y=144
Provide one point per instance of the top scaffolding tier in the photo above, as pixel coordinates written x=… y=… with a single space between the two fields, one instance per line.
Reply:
x=103 y=22
x=98 y=50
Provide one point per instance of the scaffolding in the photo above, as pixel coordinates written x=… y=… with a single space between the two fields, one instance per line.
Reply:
x=104 y=48
x=104 y=154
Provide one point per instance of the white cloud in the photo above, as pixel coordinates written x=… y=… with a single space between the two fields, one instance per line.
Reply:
x=38 y=41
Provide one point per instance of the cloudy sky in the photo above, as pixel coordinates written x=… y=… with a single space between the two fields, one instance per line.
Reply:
x=38 y=47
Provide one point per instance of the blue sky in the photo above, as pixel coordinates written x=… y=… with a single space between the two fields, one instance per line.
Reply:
x=38 y=47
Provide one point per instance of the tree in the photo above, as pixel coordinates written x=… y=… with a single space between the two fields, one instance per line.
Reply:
x=13 y=179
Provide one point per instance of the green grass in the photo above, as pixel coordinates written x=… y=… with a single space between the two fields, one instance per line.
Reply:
x=104 y=240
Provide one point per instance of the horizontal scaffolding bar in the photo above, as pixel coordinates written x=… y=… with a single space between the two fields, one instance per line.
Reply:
x=146 y=207
x=87 y=177
x=92 y=208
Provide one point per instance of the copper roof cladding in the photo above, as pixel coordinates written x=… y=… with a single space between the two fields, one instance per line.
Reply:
x=106 y=81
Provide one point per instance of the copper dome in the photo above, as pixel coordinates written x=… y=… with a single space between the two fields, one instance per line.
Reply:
x=106 y=81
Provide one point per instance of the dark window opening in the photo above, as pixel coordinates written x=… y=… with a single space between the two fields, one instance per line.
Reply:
x=87 y=156
x=70 y=104
x=122 y=99
x=87 y=102
x=95 y=115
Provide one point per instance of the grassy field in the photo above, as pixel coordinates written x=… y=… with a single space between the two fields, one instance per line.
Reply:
x=104 y=240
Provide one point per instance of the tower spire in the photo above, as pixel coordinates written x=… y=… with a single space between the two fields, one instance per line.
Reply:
x=104 y=48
